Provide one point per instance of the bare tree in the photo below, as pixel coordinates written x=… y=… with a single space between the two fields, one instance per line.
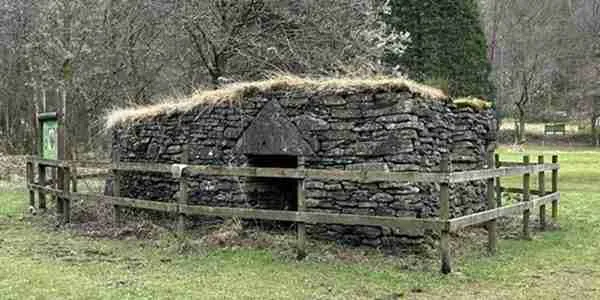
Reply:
x=218 y=29
x=105 y=53
x=527 y=38
x=251 y=37
x=586 y=16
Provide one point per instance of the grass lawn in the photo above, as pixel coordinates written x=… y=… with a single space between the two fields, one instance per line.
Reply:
x=39 y=262
x=537 y=128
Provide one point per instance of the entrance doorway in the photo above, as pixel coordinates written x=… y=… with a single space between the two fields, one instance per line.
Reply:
x=273 y=193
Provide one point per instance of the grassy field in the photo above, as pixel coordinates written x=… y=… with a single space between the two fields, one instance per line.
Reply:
x=537 y=128
x=38 y=261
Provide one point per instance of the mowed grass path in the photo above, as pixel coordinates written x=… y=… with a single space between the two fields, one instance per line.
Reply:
x=41 y=263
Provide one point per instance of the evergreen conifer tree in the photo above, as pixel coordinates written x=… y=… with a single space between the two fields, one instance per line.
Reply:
x=447 y=44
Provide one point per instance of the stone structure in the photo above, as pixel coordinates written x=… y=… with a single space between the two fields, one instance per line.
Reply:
x=398 y=126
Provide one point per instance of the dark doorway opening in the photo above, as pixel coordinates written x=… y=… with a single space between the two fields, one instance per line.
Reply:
x=273 y=193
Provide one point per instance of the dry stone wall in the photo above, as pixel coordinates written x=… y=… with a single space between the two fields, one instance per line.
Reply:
x=348 y=130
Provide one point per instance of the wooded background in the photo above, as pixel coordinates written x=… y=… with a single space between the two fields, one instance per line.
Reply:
x=537 y=59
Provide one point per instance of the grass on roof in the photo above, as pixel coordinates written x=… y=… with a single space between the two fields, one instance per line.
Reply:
x=472 y=102
x=238 y=91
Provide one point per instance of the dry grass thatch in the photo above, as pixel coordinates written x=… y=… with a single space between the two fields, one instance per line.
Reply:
x=237 y=91
x=472 y=102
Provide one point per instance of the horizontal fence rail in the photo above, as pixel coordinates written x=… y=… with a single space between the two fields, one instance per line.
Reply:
x=445 y=225
x=467 y=176
x=482 y=217
x=263 y=214
x=326 y=174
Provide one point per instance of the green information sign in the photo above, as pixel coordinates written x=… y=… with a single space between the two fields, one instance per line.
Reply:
x=50 y=139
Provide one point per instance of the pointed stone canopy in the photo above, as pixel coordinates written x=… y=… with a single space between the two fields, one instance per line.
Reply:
x=272 y=133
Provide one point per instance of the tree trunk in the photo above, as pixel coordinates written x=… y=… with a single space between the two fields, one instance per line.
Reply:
x=520 y=128
x=7 y=120
x=517 y=130
x=521 y=109
x=595 y=133
x=595 y=117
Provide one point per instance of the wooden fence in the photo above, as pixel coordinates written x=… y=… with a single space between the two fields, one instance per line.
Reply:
x=530 y=201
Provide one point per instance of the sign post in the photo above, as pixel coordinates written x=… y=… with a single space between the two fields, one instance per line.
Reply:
x=52 y=146
x=50 y=138
x=47 y=148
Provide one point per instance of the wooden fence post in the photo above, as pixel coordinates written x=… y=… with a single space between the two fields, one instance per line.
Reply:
x=498 y=183
x=66 y=198
x=542 y=190
x=60 y=171
x=300 y=195
x=73 y=170
x=183 y=191
x=526 y=198
x=445 y=216
x=41 y=182
x=116 y=184
x=491 y=203
x=554 y=188
x=58 y=176
x=74 y=180
x=34 y=153
x=41 y=168
x=31 y=180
